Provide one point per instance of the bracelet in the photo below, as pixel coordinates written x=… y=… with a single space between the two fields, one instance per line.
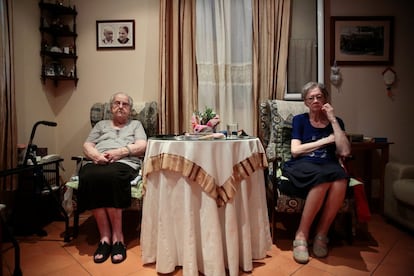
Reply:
x=129 y=151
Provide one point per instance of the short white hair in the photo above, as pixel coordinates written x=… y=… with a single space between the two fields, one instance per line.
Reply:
x=130 y=101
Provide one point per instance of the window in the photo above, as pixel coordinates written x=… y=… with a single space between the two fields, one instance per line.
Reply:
x=306 y=46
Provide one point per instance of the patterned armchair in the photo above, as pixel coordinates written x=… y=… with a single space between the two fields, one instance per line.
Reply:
x=147 y=114
x=275 y=133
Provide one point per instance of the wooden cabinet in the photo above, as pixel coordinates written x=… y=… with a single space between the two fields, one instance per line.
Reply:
x=58 y=42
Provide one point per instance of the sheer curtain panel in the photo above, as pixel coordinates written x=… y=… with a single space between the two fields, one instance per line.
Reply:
x=224 y=60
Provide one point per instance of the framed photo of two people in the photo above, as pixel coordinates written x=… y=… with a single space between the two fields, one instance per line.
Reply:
x=115 y=34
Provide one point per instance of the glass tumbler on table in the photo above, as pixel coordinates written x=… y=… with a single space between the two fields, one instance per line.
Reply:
x=232 y=129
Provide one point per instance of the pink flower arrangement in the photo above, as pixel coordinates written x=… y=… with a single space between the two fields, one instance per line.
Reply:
x=205 y=122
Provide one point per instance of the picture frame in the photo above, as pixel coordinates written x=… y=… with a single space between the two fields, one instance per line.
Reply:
x=122 y=38
x=362 y=40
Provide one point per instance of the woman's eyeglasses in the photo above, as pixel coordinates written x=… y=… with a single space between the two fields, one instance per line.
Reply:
x=119 y=103
x=316 y=97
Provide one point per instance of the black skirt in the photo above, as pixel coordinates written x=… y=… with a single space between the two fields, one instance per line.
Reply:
x=103 y=186
x=303 y=175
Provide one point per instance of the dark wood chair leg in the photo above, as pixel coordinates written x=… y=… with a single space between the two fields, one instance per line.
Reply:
x=75 y=223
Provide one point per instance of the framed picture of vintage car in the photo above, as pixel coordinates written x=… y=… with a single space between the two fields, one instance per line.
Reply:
x=362 y=40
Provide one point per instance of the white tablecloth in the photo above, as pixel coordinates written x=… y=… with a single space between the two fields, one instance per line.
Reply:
x=204 y=206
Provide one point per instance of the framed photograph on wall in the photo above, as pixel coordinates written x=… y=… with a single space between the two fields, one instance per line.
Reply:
x=115 y=34
x=362 y=40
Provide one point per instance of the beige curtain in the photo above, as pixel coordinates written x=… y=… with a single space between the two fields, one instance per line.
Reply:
x=8 y=121
x=178 y=79
x=271 y=23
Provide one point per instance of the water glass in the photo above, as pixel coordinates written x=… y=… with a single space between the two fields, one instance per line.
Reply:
x=232 y=129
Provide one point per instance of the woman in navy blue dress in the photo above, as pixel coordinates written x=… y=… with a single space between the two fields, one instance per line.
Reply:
x=318 y=143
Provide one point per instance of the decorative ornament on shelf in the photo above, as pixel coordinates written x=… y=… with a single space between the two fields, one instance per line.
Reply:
x=205 y=122
x=336 y=78
x=389 y=76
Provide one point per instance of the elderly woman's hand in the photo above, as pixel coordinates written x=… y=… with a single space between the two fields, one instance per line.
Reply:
x=114 y=155
x=329 y=111
x=100 y=159
x=331 y=139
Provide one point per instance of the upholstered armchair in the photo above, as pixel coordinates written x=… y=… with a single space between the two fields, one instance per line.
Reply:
x=147 y=114
x=275 y=133
x=399 y=193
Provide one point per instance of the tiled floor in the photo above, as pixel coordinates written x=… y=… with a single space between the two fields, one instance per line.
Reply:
x=382 y=250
